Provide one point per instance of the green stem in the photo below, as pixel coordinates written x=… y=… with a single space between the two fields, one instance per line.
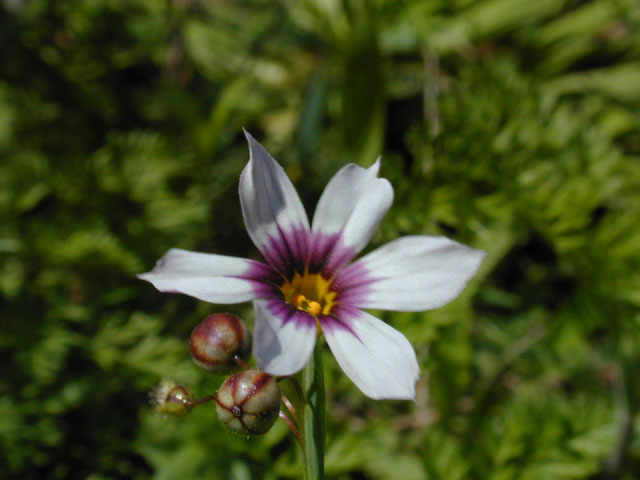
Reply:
x=313 y=416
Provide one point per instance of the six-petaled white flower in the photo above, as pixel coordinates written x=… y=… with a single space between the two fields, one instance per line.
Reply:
x=307 y=280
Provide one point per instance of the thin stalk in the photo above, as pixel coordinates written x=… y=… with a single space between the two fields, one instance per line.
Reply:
x=283 y=416
x=313 y=416
x=200 y=401
x=290 y=408
x=242 y=363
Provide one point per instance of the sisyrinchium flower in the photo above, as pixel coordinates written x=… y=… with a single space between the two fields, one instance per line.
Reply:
x=308 y=284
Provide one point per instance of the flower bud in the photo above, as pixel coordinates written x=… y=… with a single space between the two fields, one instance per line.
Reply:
x=249 y=402
x=170 y=398
x=217 y=340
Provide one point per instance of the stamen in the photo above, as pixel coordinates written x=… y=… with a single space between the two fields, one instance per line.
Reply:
x=300 y=301
x=313 y=308
x=303 y=303
x=310 y=293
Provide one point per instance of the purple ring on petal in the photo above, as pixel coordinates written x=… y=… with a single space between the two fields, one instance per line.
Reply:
x=290 y=314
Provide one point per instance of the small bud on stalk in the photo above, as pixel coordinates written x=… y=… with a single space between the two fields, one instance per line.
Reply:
x=171 y=399
x=249 y=402
x=218 y=340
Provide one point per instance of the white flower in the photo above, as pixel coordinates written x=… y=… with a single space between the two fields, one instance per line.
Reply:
x=307 y=279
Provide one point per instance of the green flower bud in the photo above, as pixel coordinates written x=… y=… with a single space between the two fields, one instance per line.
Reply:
x=171 y=399
x=218 y=340
x=249 y=402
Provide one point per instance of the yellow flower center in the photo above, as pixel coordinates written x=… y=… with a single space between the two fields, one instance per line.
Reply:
x=309 y=292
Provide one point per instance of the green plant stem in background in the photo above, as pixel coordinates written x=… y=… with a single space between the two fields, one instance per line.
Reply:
x=313 y=416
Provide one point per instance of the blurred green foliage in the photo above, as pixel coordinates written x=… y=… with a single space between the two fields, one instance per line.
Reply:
x=510 y=125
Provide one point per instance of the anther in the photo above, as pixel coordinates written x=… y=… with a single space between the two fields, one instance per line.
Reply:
x=303 y=303
x=313 y=308
x=300 y=301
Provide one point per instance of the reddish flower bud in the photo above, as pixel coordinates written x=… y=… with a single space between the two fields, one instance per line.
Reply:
x=218 y=340
x=249 y=402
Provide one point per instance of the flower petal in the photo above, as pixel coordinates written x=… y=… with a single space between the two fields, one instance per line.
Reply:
x=283 y=337
x=376 y=357
x=352 y=205
x=410 y=274
x=212 y=278
x=272 y=211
